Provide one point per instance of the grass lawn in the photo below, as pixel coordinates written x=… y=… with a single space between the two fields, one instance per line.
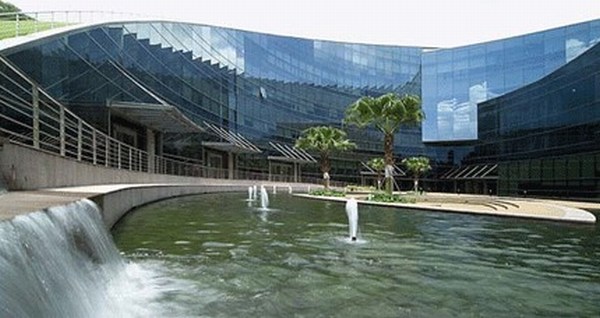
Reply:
x=8 y=28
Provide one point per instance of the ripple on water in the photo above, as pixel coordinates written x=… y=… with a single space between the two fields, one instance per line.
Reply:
x=404 y=264
x=218 y=244
x=207 y=232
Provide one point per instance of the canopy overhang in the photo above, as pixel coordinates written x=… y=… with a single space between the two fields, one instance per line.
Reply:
x=472 y=172
x=227 y=147
x=290 y=154
x=158 y=117
x=372 y=172
x=232 y=142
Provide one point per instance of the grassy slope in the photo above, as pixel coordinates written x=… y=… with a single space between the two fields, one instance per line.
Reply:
x=8 y=28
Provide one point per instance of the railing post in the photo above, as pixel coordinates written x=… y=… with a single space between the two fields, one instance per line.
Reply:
x=79 y=138
x=17 y=24
x=107 y=151
x=119 y=155
x=36 y=116
x=130 y=158
x=140 y=163
x=94 y=155
x=35 y=24
x=62 y=130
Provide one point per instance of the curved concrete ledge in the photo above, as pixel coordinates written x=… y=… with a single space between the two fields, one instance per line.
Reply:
x=115 y=204
x=116 y=200
x=512 y=208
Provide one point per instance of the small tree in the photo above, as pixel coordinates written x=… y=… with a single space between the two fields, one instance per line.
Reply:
x=7 y=7
x=417 y=166
x=386 y=113
x=378 y=164
x=325 y=140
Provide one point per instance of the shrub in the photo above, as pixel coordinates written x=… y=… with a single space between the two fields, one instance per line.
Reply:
x=327 y=193
x=393 y=198
x=356 y=188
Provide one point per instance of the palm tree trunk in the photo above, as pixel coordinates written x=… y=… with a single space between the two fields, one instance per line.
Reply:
x=388 y=149
x=416 y=184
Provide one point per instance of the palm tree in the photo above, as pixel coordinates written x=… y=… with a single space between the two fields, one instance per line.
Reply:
x=325 y=140
x=378 y=164
x=386 y=113
x=418 y=166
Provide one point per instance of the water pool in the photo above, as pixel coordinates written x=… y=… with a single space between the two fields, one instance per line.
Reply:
x=224 y=257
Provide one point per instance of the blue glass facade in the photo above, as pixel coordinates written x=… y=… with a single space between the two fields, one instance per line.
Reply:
x=265 y=87
x=546 y=136
x=269 y=88
x=456 y=80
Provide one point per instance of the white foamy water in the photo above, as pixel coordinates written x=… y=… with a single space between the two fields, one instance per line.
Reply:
x=63 y=263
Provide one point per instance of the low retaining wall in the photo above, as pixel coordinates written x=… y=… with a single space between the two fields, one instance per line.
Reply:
x=24 y=168
x=116 y=204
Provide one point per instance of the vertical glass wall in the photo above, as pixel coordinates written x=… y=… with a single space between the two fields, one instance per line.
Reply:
x=269 y=88
x=265 y=87
x=546 y=136
x=456 y=80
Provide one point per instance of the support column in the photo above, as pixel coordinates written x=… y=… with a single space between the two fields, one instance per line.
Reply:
x=295 y=172
x=151 y=149
x=35 y=96
x=230 y=165
x=269 y=178
x=162 y=166
x=159 y=143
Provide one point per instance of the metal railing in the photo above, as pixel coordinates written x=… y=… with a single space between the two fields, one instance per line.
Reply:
x=30 y=117
x=15 y=24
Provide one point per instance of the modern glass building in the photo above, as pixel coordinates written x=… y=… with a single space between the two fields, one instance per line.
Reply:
x=546 y=136
x=456 y=80
x=268 y=88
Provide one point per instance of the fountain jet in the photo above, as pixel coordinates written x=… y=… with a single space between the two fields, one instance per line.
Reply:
x=264 y=198
x=250 y=194
x=352 y=212
x=254 y=193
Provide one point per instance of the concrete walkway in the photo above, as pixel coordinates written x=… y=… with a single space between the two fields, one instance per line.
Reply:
x=21 y=202
x=566 y=211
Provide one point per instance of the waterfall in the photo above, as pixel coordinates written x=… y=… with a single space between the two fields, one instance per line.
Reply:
x=63 y=263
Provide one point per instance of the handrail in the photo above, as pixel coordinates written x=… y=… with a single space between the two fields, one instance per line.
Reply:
x=36 y=21
x=32 y=118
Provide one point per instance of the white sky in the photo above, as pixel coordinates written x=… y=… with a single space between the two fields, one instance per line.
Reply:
x=436 y=23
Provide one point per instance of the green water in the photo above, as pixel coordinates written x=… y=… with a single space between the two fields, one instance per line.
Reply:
x=232 y=260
